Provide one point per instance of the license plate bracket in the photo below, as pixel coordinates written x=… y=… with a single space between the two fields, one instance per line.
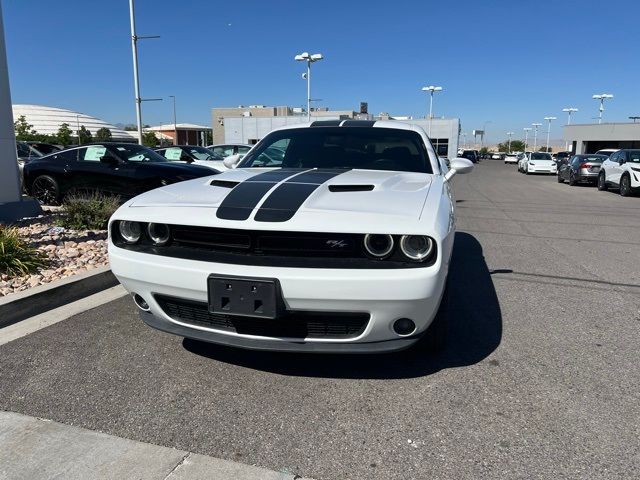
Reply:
x=245 y=296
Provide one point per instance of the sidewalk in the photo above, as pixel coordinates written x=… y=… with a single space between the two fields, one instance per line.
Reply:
x=41 y=449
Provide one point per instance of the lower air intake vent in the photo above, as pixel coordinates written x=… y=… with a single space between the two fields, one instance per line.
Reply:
x=296 y=324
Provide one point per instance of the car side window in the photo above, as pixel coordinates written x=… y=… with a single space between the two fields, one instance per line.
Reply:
x=66 y=156
x=228 y=151
x=172 y=153
x=273 y=155
x=218 y=151
x=614 y=157
x=91 y=154
x=575 y=161
x=622 y=157
x=243 y=150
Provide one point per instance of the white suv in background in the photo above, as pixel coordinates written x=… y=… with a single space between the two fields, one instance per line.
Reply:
x=622 y=171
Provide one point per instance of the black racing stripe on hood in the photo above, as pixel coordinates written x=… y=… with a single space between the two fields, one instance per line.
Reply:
x=241 y=201
x=286 y=200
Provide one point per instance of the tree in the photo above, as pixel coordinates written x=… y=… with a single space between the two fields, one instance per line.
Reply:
x=64 y=134
x=516 y=146
x=130 y=127
x=544 y=149
x=149 y=139
x=24 y=130
x=484 y=151
x=84 y=135
x=103 y=135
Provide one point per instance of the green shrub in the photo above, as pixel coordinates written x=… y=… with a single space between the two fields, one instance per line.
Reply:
x=88 y=212
x=16 y=256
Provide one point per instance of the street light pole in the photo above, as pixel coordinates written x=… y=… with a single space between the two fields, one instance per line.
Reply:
x=549 y=119
x=175 y=125
x=569 y=111
x=509 y=135
x=431 y=89
x=535 y=135
x=602 y=97
x=306 y=57
x=136 y=79
x=526 y=137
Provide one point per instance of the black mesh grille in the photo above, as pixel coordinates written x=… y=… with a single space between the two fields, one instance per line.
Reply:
x=296 y=324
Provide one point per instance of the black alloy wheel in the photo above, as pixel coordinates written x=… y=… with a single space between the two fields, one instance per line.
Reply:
x=602 y=183
x=45 y=189
x=560 y=179
x=625 y=186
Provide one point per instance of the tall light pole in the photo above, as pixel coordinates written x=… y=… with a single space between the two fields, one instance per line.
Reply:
x=569 y=111
x=175 y=125
x=431 y=89
x=549 y=119
x=136 y=79
x=509 y=134
x=602 y=97
x=464 y=139
x=306 y=57
x=535 y=135
x=526 y=137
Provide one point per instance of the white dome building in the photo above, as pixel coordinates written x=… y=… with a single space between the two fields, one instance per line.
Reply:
x=47 y=121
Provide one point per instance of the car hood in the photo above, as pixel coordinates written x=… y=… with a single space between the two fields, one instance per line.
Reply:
x=358 y=194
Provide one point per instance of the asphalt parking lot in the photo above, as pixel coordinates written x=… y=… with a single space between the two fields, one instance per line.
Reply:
x=540 y=378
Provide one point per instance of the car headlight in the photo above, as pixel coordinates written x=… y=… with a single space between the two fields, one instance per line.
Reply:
x=416 y=247
x=159 y=233
x=130 y=231
x=378 y=245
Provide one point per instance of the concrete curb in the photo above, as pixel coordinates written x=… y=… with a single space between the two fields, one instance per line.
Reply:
x=18 y=306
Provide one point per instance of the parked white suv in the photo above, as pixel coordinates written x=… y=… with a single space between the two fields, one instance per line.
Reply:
x=622 y=171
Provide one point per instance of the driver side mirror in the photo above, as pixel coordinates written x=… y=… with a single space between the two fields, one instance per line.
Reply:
x=186 y=158
x=232 y=161
x=458 y=165
x=109 y=159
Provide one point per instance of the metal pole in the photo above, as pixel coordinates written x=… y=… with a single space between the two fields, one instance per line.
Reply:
x=136 y=81
x=535 y=138
x=601 y=109
x=566 y=142
x=430 y=111
x=175 y=125
x=309 y=90
x=526 y=137
x=509 y=147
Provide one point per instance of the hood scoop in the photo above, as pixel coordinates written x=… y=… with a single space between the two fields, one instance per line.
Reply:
x=350 y=188
x=224 y=183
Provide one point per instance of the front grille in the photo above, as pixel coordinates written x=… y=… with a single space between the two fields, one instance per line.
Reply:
x=296 y=324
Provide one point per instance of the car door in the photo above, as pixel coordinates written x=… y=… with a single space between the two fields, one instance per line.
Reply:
x=93 y=173
x=615 y=170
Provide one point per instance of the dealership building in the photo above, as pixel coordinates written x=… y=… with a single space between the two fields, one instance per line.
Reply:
x=589 y=138
x=250 y=124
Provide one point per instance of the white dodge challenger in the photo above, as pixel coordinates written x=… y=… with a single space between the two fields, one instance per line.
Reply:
x=333 y=236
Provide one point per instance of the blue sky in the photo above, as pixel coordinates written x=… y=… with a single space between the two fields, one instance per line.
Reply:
x=508 y=62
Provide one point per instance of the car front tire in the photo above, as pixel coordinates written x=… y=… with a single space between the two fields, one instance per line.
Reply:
x=572 y=179
x=45 y=189
x=560 y=179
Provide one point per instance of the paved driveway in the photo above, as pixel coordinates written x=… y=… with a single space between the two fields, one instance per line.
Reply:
x=540 y=378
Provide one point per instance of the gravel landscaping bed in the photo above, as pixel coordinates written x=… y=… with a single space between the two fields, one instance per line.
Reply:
x=70 y=252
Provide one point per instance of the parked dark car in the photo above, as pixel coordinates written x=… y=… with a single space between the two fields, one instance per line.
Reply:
x=45 y=148
x=470 y=155
x=188 y=153
x=580 y=168
x=121 y=169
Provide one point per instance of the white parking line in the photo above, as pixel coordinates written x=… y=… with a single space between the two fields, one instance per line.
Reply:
x=33 y=324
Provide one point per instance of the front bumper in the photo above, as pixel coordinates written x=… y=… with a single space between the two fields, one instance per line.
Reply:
x=542 y=169
x=386 y=295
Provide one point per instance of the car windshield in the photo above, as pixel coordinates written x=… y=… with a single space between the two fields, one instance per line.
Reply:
x=540 y=156
x=341 y=147
x=201 y=153
x=138 y=153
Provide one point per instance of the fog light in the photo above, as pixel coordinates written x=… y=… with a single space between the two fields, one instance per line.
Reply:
x=141 y=303
x=159 y=233
x=404 y=326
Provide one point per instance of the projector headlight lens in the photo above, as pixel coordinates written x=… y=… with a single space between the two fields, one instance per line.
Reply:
x=416 y=247
x=130 y=231
x=159 y=233
x=378 y=245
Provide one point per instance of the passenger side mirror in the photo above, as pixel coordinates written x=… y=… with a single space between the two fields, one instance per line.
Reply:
x=458 y=165
x=232 y=161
